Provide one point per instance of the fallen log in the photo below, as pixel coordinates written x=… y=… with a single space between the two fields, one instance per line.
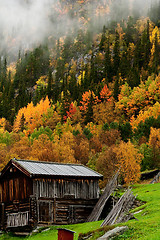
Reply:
x=120 y=212
x=156 y=179
x=113 y=233
x=110 y=187
x=149 y=174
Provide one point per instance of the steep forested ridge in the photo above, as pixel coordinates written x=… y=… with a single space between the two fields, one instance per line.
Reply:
x=88 y=94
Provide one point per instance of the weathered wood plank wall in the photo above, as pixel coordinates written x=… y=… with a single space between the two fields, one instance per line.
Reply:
x=64 y=211
x=59 y=188
x=19 y=219
x=15 y=186
x=16 y=213
x=16 y=189
x=73 y=210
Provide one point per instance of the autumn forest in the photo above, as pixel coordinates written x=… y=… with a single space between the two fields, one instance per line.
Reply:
x=90 y=95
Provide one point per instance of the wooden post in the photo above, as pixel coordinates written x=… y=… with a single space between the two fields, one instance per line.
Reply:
x=33 y=211
x=3 y=216
x=54 y=211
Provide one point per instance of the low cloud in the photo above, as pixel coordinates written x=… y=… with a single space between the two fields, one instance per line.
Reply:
x=27 y=22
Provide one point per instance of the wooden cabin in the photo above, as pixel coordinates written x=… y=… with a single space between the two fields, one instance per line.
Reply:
x=33 y=192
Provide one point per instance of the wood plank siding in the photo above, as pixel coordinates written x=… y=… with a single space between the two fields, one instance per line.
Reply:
x=19 y=219
x=61 y=188
x=15 y=186
x=72 y=210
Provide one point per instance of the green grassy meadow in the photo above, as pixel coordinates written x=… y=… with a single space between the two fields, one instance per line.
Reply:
x=146 y=227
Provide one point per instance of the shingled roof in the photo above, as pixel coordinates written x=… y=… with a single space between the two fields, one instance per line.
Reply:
x=52 y=169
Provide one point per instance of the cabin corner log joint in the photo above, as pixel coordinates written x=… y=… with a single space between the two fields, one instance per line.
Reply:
x=34 y=192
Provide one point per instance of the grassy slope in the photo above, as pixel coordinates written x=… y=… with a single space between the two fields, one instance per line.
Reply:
x=147 y=227
x=53 y=233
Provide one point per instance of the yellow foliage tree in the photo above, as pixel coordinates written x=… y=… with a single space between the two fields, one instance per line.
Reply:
x=153 y=111
x=51 y=118
x=129 y=160
x=155 y=32
x=141 y=24
x=21 y=149
x=154 y=142
x=64 y=147
x=2 y=123
x=31 y=116
x=103 y=112
x=3 y=153
x=43 y=149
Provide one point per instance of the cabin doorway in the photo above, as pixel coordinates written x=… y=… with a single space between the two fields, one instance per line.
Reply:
x=45 y=211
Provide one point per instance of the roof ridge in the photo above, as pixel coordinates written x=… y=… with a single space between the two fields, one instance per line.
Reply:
x=58 y=163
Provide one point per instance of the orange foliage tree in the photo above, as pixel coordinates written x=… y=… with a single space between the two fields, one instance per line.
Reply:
x=81 y=149
x=105 y=93
x=86 y=99
x=106 y=164
x=73 y=113
x=110 y=137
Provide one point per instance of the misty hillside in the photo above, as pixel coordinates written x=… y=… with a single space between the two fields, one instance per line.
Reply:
x=25 y=24
x=79 y=82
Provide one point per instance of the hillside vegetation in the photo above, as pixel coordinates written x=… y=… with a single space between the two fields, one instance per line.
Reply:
x=91 y=96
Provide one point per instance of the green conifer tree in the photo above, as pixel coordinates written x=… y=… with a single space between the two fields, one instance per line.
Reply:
x=103 y=39
x=49 y=86
x=156 y=60
x=116 y=89
x=108 y=69
x=89 y=112
x=116 y=54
